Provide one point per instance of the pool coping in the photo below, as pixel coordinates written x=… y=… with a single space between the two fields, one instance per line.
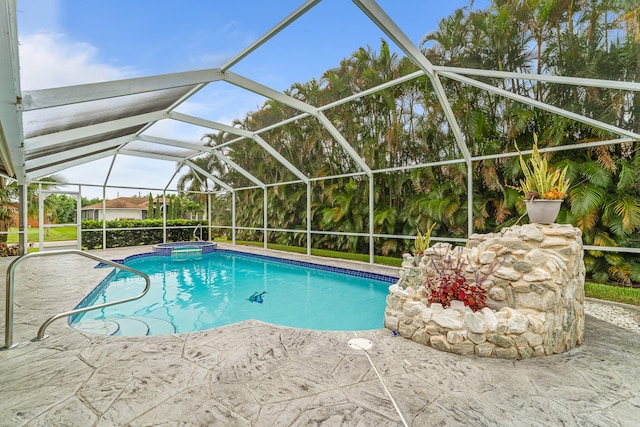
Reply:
x=350 y=271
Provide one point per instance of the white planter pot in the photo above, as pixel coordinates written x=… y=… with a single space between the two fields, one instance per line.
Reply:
x=543 y=211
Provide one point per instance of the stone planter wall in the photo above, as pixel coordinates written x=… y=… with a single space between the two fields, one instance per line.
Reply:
x=535 y=288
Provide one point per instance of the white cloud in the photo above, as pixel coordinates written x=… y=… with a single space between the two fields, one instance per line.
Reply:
x=51 y=60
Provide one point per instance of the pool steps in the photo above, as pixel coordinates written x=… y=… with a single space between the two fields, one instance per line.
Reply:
x=182 y=254
x=127 y=326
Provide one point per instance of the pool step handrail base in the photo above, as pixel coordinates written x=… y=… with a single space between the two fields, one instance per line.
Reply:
x=10 y=276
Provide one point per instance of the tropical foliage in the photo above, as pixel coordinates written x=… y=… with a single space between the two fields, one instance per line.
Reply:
x=173 y=207
x=9 y=193
x=8 y=208
x=405 y=126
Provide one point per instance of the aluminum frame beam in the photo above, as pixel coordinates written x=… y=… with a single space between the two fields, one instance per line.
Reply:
x=391 y=29
x=286 y=163
x=11 y=137
x=81 y=151
x=292 y=102
x=574 y=81
x=241 y=132
x=44 y=141
x=54 y=97
x=204 y=149
x=541 y=105
x=304 y=8
x=164 y=157
x=208 y=175
x=40 y=173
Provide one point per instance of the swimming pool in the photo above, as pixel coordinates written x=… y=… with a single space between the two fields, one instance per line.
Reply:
x=226 y=287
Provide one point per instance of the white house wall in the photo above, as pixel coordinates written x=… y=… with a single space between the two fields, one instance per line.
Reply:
x=113 y=214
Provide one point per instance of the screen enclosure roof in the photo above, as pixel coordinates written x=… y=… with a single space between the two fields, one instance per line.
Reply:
x=46 y=131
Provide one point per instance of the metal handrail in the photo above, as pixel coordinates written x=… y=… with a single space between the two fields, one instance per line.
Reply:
x=8 y=331
x=194 y=232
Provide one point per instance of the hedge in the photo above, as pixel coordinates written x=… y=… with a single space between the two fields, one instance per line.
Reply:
x=149 y=232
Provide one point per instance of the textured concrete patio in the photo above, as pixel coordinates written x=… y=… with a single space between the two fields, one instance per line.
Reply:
x=256 y=374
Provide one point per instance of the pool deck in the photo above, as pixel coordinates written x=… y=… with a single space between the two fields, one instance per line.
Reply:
x=256 y=374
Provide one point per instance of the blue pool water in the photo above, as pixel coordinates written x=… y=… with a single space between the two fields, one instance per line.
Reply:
x=227 y=287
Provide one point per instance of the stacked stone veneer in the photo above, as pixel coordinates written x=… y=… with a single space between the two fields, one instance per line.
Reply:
x=535 y=295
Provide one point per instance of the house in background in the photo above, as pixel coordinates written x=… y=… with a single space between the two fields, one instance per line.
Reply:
x=120 y=208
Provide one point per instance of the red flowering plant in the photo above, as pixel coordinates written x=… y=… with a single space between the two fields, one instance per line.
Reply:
x=9 y=250
x=449 y=282
x=12 y=249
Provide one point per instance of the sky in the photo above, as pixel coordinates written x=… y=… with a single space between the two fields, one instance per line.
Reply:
x=69 y=42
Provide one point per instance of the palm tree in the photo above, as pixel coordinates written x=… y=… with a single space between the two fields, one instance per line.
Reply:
x=193 y=185
x=9 y=201
x=8 y=208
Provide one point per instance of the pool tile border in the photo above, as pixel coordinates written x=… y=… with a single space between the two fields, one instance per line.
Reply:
x=346 y=271
x=342 y=270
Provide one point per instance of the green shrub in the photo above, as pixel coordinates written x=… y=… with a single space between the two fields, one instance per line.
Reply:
x=147 y=232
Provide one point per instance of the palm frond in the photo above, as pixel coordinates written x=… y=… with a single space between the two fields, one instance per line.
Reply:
x=627 y=178
x=616 y=227
x=596 y=174
x=628 y=208
x=587 y=221
x=603 y=239
x=586 y=198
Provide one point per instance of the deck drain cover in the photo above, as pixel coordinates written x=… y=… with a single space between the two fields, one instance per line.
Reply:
x=360 y=343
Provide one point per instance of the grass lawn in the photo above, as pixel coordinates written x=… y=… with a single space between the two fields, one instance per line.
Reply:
x=55 y=234
x=384 y=260
x=592 y=290
x=613 y=293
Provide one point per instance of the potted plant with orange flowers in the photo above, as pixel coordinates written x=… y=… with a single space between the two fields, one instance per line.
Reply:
x=544 y=187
